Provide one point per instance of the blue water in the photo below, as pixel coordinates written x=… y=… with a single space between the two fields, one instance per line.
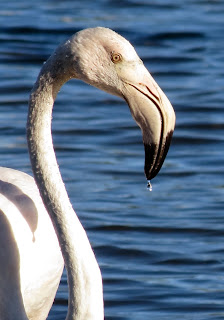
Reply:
x=161 y=253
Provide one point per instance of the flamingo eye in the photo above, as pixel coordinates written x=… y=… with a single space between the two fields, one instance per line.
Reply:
x=116 y=57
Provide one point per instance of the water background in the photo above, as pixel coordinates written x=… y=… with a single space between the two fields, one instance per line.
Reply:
x=161 y=253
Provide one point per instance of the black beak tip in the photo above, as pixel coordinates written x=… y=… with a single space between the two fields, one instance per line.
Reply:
x=155 y=155
x=150 y=160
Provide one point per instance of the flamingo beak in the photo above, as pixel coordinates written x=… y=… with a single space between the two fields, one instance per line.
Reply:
x=153 y=113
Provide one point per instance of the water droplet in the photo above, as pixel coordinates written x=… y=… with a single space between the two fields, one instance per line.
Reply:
x=149 y=186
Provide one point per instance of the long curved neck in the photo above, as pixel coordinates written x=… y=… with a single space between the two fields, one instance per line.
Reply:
x=84 y=277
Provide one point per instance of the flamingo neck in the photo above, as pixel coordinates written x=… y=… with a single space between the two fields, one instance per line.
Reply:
x=84 y=277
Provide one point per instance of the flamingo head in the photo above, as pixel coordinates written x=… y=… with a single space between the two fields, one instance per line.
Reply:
x=106 y=60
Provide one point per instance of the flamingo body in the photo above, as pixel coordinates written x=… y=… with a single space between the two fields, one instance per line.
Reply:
x=34 y=264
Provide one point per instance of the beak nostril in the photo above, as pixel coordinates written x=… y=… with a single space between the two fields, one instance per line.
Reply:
x=153 y=94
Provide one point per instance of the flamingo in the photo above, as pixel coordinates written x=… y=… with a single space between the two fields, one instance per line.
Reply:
x=39 y=228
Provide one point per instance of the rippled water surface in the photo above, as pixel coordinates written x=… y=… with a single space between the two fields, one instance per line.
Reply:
x=161 y=253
